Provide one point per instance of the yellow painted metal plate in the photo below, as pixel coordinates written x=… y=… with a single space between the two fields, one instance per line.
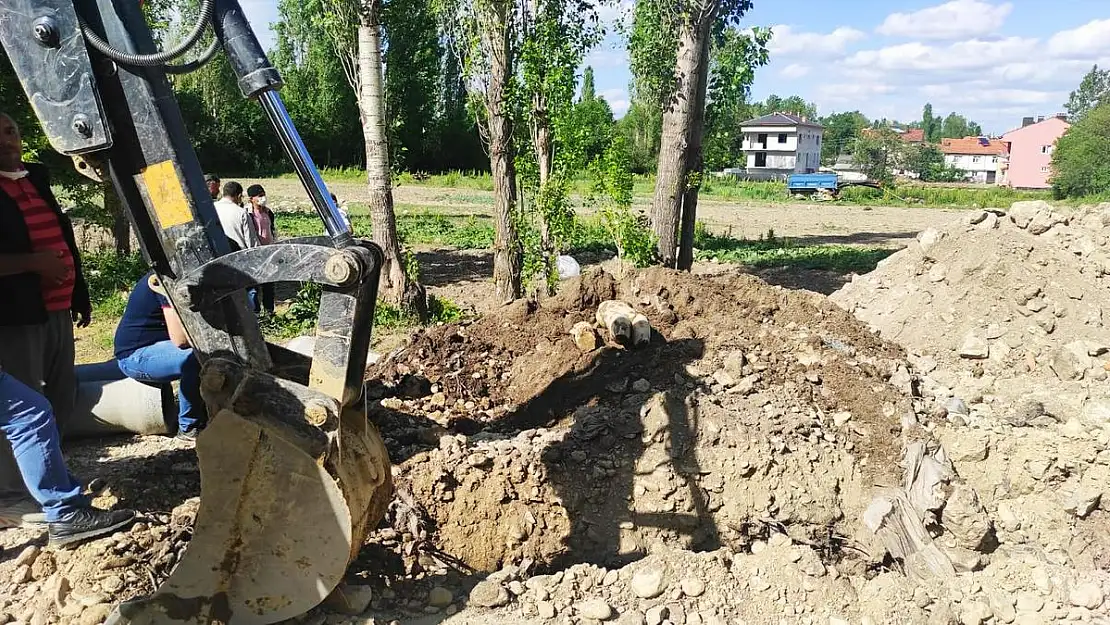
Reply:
x=163 y=186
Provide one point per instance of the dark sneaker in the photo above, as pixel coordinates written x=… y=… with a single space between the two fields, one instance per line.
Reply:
x=87 y=523
x=188 y=436
x=21 y=512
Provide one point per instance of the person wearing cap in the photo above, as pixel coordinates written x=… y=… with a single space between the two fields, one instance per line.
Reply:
x=263 y=219
x=212 y=181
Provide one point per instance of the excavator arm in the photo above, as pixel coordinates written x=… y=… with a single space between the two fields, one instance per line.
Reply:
x=292 y=473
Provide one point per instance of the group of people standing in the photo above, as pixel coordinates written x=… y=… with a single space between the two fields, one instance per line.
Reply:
x=247 y=224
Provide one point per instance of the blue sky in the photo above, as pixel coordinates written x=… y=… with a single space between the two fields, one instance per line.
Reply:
x=993 y=61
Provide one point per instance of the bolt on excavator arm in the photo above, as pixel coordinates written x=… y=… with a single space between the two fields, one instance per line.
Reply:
x=292 y=473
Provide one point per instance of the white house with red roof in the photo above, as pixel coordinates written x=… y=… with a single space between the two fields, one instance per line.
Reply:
x=980 y=158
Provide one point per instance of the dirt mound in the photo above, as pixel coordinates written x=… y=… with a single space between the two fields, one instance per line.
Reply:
x=753 y=407
x=998 y=308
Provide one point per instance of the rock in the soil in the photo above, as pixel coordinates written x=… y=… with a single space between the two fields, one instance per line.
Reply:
x=975 y=613
x=1071 y=361
x=692 y=586
x=546 y=609
x=974 y=348
x=349 y=599
x=1083 y=502
x=734 y=363
x=585 y=337
x=965 y=517
x=1029 y=602
x=595 y=609
x=1086 y=595
x=929 y=238
x=656 y=615
x=487 y=594
x=94 y=615
x=22 y=575
x=27 y=556
x=631 y=617
x=641 y=386
x=440 y=597
x=648 y=584
x=724 y=378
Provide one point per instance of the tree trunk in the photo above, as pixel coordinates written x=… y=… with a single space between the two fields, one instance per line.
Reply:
x=696 y=157
x=507 y=253
x=675 y=154
x=121 y=225
x=395 y=286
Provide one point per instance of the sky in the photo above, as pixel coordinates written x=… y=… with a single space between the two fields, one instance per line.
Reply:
x=994 y=62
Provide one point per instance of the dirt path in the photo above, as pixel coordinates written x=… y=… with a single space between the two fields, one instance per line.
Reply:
x=817 y=223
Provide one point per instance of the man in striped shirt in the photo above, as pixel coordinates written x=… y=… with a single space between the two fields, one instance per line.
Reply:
x=42 y=285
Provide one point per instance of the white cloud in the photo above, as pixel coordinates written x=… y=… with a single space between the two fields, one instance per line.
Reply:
x=785 y=41
x=954 y=58
x=794 y=71
x=958 y=19
x=607 y=57
x=1089 y=41
x=617 y=99
x=983 y=93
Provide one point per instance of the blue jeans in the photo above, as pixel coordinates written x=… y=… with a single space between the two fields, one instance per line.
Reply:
x=28 y=421
x=166 y=362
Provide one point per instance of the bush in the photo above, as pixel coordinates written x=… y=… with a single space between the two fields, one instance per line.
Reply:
x=109 y=274
x=1080 y=165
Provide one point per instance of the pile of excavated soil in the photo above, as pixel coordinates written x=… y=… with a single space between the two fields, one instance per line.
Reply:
x=1002 y=311
x=717 y=475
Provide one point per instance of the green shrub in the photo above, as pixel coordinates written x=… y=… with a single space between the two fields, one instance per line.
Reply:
x=108 y=275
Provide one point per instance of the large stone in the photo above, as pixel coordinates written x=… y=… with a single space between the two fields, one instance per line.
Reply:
x=94 y=615
x=928 y=238
x=440 y=597
x=966 y=517
x=349 y=599
x=692 y=586
x=1071 y=361
x=974 y=347
x=649 y=583
x=595 y=609
x=585 y=337
x=975 y=613
x=1036 y=216
x=487 y=594
x=1086 y=595
x=1083 y=502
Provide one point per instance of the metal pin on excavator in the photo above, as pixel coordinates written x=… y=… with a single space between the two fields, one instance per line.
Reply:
x=292 y=473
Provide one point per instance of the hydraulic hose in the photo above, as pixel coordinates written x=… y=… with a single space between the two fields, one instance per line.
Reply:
x=196 y=64
x=207 y=8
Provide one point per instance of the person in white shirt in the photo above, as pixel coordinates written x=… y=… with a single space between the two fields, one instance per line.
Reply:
x=234 y=219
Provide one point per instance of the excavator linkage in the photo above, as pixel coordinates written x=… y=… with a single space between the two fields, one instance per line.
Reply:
x=293 y=475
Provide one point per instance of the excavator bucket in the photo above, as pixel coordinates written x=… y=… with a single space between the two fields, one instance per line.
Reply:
x=290 y=485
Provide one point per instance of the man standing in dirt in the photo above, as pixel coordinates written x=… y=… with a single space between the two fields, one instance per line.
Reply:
x=28 y=424
x=44 y=288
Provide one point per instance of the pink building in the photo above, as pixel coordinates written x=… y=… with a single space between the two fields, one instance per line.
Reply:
x=1030 y=152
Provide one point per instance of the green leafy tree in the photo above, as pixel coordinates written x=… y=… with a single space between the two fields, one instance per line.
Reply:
x=841 y=131
x=931 y=124
x=670 y=50
x=924 y=160
x=957 y=126
x=1079 y=163
x=878 y=153
x=733 y=57
x=1093 y=90
x=593 y=120
x=485 y=36
x=794 y=105
x=640 y=128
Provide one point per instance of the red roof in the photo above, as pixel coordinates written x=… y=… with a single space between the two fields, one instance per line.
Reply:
x=976 y=146
x=914 y=135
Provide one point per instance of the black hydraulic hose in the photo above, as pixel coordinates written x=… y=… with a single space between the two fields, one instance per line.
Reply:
x=194 y=65
x=207 y=8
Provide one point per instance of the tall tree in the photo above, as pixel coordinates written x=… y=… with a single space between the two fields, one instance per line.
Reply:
x=413 y=58
x=878 y=153
x=353 y=30
x=733 y=57
x=679 y=35
x=957 y=126
x=930 y=124
x=1079 y=163
x=556 y=36
x=841 y=131
x=483 y=35
x=1093 y=90
x=795 y=105
x=593 y=119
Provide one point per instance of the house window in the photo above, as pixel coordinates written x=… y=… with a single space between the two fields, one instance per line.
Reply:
x=1044 y=170
x=782 y=137
x=974 y=159
x=818 y=140
x=1046 y=149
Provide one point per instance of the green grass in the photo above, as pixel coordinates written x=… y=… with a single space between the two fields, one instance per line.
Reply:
x=771 y=251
